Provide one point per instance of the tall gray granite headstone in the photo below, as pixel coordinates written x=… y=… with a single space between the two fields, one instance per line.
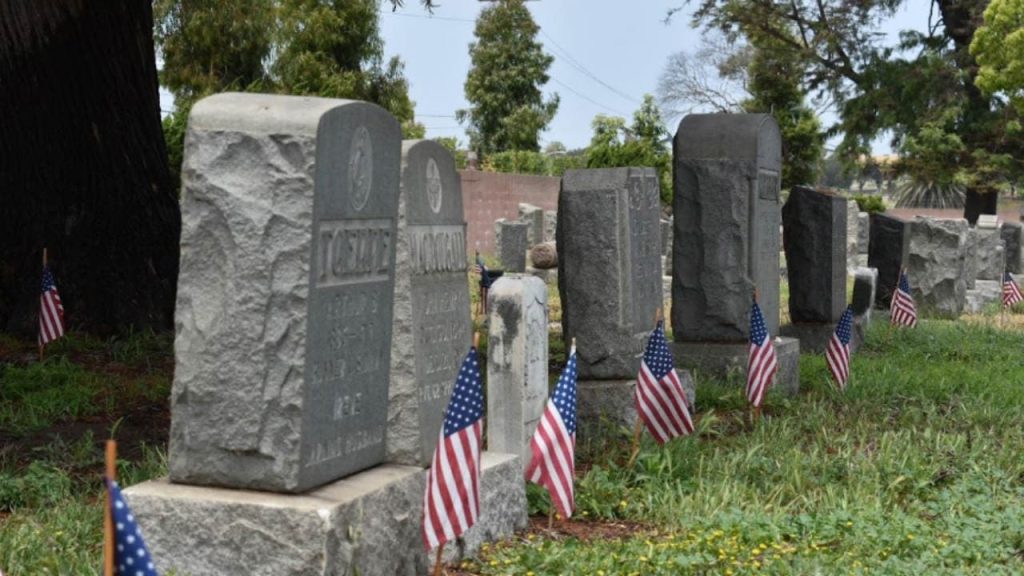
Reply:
x=432 y=325
x=285 y=291
x=986 y=255
x=517 y=362
x=512 y=239
x=1013 y=239
x=609 y=266
x=890 y=238
x=814 y=227
x=727 y=220
x=726 y=177
x=936 y=264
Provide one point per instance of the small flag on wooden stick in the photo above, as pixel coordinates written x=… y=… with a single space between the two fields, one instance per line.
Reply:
x=660 y=398
x=903 y=310
x=553 y=447
x=51 y=311
x=837 y=355
x=763 y=362
x=1011 y=291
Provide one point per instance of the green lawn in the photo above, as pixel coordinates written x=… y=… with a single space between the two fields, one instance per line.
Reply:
x=917 y=469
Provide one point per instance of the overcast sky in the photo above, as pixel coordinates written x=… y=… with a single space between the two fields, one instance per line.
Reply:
x=607 y=56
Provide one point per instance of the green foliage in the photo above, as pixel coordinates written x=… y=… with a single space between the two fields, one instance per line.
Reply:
x=451 y=143
x=870 y=203
x=529 y=162
x=507 y=109
x=930 y=194
x=998 y=46
x=175 y=125
x=641 y=144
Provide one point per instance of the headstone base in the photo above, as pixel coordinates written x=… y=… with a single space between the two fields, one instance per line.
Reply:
x=814 y=337
x=367 y=524
x=605 y=406
x=719 y=360
x=984 y=293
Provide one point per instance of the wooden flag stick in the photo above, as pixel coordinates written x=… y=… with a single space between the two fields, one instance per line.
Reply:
x=476 y=340
x=638 y=429
x=551 y=517
x=437 y=562
x=41 y=346
x=108 y=517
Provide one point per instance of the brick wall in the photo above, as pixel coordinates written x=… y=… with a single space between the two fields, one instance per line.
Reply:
x=487 y=196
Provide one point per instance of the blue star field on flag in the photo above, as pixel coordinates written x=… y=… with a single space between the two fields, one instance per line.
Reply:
x=657 y=355
x=467 y=402
x=131 y=558
x=564 y=397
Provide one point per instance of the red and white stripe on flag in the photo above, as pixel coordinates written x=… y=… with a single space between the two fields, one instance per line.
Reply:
x=1011 y=291
x=451 y=502
x=51 y=311
x=660 y=398
x=553 y=446
x=763 y=362
x=837 y=354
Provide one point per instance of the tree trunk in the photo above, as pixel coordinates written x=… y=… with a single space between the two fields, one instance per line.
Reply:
x=83 y=166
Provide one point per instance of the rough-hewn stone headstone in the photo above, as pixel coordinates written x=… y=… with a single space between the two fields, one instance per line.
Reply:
x=285 y=291
x=512 y=240
x=609 y=266
x=517 y=362
x=985 y=292
x=935 y=266
x=814 y=227
x=727 y=219
x=544 y=256
x=550 y=225
x=986 y=255
x=1013 y=239
x=889 y=242
x=432 y=326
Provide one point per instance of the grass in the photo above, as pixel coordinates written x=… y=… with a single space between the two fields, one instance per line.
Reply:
x=916 y=469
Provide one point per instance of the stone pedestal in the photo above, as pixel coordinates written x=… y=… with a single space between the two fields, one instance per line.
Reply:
x=366 y=524
x=719 y=361
x=604 y=406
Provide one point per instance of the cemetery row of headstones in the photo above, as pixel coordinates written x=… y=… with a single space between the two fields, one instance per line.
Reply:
x=323 y=311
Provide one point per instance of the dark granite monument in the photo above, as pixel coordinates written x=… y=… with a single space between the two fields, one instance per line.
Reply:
x=890 y=240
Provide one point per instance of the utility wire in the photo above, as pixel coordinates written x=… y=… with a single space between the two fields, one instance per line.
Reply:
x=587 y=98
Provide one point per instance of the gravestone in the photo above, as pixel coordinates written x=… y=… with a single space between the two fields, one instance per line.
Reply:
x=666 y=248
x=863 y=232
x=727 y=218
x=512 y=239
x=284 y=320
x=431 y=329
x=550 y=225
x=284 y=295
x=814 y=229
x=609 y=266
x=852 y=234
x=986 y=255
x=533 y=216
x=517 y=362
x=890 y=239
x=865 y=283
x=984 y=293
x=1014 y=240
x=935 y=266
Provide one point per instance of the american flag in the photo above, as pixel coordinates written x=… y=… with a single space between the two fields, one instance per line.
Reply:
x=837 y=355
x=1011 y=292
x=131 y=558
x=903 y=310
x=553 y=463
x=51 y=311
x=763 y=363
x=660 y=398
x=451 y=503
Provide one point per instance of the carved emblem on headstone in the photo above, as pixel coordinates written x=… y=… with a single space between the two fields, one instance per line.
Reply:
x=360 y=167
x=434 y=191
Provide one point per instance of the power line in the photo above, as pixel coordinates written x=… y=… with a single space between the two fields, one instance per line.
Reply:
x=587 y=98
x=445 y=18
x=583 y=69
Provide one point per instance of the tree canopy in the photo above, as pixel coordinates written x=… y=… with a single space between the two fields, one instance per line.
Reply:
x=643 y=143
x=507 y=109
x=920 y=91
